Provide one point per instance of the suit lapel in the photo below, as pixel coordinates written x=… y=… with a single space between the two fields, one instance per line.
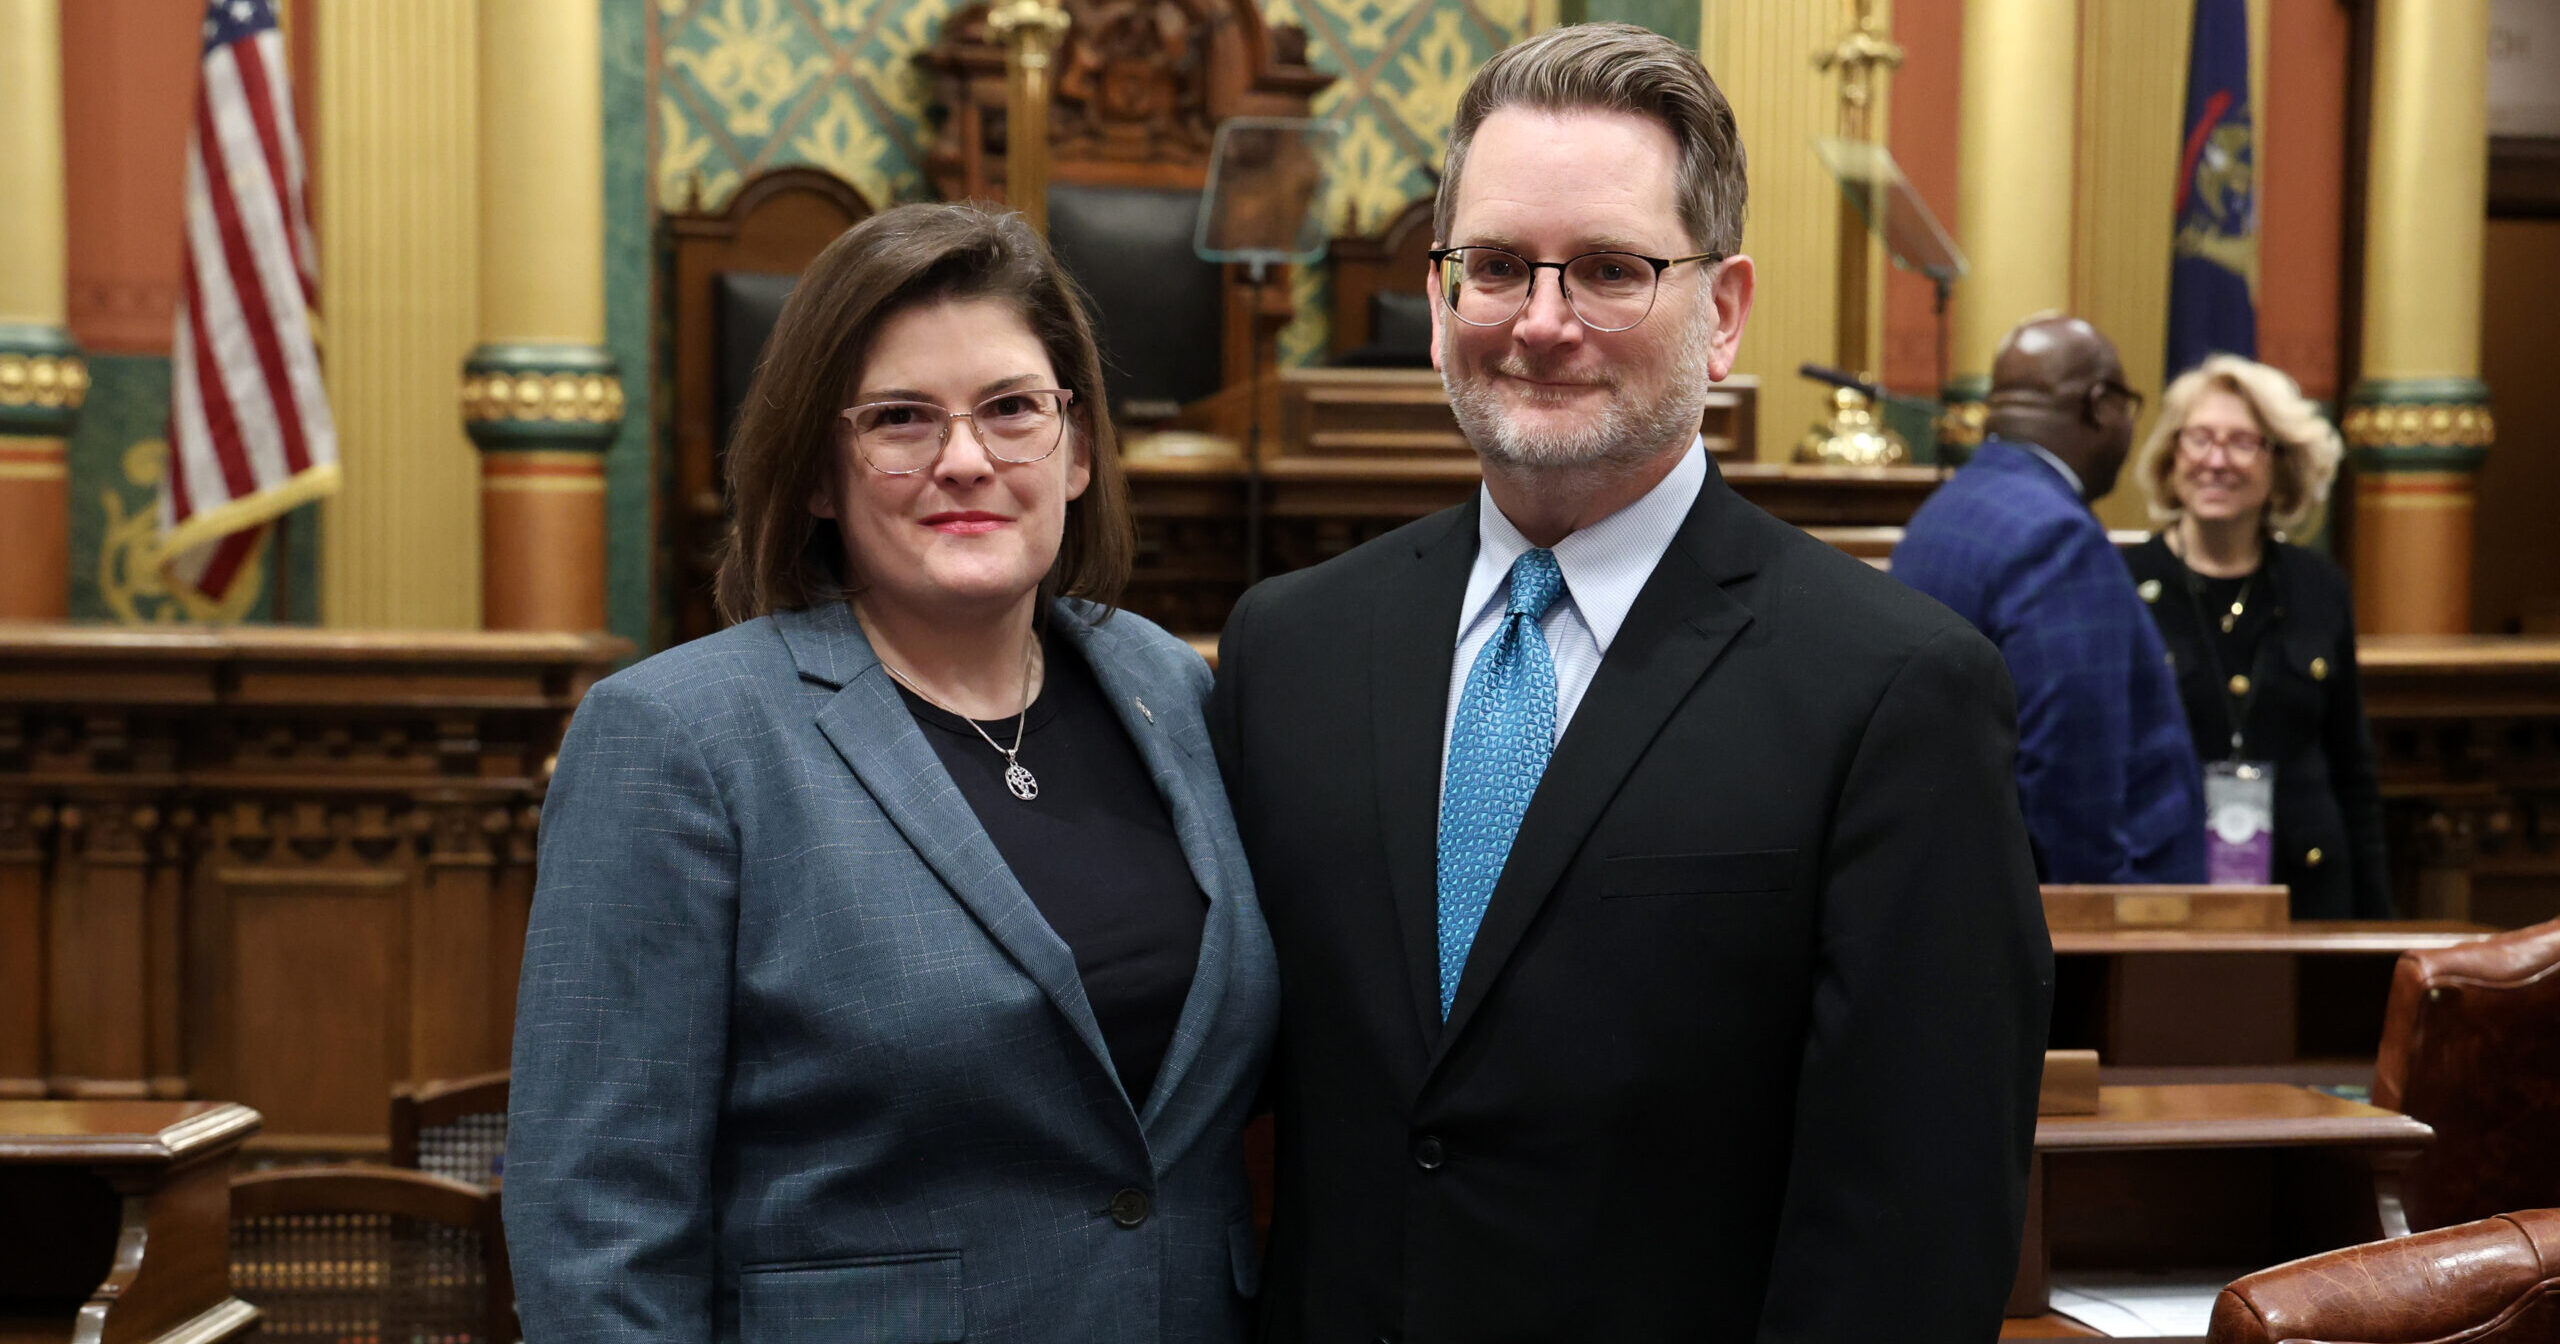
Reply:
x=1178 y=771
x=1681 y=621
x=1416 y=629
x=871 y=729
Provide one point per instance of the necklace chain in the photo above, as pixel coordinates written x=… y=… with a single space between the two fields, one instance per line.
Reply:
x=2239 y=601
x=1017 y=777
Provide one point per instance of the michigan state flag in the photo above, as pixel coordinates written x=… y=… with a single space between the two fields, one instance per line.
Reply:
x=2214 y=260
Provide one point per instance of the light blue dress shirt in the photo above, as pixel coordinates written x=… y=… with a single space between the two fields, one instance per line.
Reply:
x=1605 y=565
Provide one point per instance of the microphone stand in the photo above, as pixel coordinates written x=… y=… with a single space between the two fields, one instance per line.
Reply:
x=1260 y=268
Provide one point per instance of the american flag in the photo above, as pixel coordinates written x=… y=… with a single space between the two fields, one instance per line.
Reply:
x=249 y=430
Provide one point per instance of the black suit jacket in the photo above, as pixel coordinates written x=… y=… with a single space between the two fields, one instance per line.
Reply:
x=1748 y=1043
x=2307 y=717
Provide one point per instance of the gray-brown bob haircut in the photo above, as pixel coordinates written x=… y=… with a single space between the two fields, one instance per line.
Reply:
x=1615 y=67
x=779 y=556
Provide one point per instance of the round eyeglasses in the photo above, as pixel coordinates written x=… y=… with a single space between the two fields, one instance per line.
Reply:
x=1607 y=291
x=901 y=438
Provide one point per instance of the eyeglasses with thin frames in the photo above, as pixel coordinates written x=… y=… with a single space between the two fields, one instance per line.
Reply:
x=901 y=438
x=2242 y=446
x=1607 y=291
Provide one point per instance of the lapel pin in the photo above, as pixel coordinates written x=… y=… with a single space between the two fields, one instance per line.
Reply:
x=1142 y=708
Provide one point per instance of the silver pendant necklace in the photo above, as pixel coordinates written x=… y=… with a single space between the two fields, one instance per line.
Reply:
x=1017 y=777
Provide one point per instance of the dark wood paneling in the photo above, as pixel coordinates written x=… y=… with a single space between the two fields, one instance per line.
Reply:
x=315 y=1032
x=286 y=867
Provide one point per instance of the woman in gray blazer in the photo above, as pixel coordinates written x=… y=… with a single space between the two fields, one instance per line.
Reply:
x=894 y=973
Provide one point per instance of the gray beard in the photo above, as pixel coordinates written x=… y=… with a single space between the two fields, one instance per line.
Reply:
x=1624 y=433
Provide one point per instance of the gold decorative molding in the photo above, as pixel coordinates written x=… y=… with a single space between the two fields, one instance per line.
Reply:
x=2436 y=425
x=564 y=398
x=53 y=382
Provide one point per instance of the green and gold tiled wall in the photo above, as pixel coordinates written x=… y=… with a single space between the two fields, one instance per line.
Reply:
x=742 y=86
x=116 y=455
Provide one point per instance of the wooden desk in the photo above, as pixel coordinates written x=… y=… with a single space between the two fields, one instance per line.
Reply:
x=286 y=867
x=2302 y=1003
x=118 y=1223
x=2229 y=1173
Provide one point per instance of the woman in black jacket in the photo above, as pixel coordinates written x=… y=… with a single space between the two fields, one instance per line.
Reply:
x=2262 y=631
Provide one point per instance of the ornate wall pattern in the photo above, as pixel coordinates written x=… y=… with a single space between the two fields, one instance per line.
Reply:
x=116 y=457
x=747 y=85
x=741 y=86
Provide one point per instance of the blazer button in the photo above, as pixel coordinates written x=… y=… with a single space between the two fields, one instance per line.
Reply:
x=1429 y=1153
x=2311 y=858
x=2319 y=669
x=2239 y=684
x=1129 y=1208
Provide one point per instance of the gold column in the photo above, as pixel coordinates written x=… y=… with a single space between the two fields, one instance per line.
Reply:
x=397 y=179
x=2418 y=421
x=2133 y=96
x=1031 y=31
x=2015 y=121
x=1757 y=53
x=540 y=394
x=42 y=378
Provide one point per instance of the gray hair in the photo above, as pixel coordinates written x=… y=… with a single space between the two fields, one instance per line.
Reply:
x=1616 y=67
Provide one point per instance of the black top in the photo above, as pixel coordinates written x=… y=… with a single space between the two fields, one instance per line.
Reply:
x=2302 y=707
x=1095 y=851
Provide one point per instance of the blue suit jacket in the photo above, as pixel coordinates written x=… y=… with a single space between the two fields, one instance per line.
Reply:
x=2107 y=774
x=798 y=1060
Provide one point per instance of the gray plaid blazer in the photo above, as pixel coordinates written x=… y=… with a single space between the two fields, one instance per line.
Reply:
x=797 y=1060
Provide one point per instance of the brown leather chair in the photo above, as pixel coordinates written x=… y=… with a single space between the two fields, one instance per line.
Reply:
x=2471 y=1045
x=2496 y=1281
x=370 y=1253
x=454 y=1127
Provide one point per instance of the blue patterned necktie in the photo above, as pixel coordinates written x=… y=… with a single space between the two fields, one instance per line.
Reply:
x=1505 y=729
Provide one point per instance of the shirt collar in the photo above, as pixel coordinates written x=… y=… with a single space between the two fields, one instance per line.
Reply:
x=1606 y=564
x=2070 y=477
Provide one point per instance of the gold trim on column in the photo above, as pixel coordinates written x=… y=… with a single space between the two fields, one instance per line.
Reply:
x=34 y=460
x=2417 y=489
x=565 y=473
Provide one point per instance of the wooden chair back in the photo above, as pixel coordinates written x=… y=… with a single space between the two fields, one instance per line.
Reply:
x=2471 y=1045
x=453 y=1127
x=1139 y=89
x=1368 y=270
x=2496 y=1281
x=724 y=268
x=370 y=1253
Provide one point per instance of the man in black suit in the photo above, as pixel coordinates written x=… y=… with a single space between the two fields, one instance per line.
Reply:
x=1660 y=949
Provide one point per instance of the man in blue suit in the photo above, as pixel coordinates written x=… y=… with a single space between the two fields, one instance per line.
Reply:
x=2107 y=771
